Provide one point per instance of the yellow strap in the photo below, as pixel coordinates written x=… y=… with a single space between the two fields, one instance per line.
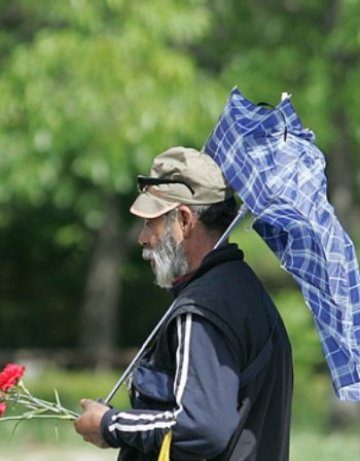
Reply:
x=164 y=454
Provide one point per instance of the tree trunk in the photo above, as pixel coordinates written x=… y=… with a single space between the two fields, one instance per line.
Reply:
x=99 y=319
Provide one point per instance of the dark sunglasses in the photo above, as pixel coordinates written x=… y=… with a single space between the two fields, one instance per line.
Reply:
x=145 y=181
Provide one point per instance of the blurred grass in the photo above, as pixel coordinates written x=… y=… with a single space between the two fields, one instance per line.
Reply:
x=313 y=446
x=75 y=385
x=43 y=440
x=309 y=446
x=65 y=453
x=71 y=386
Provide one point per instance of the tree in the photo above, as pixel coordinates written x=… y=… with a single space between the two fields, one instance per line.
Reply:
x=89 y=94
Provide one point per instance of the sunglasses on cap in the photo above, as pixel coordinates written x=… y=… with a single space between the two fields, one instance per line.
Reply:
x=143 y=182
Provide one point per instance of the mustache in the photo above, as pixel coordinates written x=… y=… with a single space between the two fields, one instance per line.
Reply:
x=147 y=254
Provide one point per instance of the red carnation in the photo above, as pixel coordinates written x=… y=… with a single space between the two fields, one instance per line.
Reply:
x=10 y=376
x=13 y=390
x=2 y=408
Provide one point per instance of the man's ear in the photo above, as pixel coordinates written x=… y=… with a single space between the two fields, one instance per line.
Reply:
x=187 y=220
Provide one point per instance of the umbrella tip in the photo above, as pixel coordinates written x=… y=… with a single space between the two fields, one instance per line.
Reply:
x=285 y=95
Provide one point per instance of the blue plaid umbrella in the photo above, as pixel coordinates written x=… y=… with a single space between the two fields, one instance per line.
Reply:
x=276 y=169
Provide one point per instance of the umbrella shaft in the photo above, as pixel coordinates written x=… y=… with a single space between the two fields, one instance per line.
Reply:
x=240 y=215
x=138 y=356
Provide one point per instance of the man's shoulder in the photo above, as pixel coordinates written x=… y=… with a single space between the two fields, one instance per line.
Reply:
x=225 y=277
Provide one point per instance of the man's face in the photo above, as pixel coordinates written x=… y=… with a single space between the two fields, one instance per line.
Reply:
x=161 y=248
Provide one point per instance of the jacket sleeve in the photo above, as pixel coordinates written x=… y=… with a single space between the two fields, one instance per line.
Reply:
x=206 y=390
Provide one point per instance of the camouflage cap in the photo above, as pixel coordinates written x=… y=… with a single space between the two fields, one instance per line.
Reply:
x=180 y=175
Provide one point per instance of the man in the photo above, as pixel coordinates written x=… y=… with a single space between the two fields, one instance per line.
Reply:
x=192 y=380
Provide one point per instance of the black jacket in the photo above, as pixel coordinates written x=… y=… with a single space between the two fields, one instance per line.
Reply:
x=190 y=381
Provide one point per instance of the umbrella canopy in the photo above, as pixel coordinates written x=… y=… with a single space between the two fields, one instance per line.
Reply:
x=271 y=161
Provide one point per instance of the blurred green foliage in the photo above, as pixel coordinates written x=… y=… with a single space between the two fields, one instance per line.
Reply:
x=92 y=90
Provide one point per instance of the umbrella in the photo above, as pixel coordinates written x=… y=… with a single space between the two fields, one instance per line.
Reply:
x=272 y=163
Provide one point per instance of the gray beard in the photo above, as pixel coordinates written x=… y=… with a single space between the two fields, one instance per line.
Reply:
x=168 y=260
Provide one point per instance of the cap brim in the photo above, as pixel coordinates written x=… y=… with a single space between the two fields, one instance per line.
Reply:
x=149 y=206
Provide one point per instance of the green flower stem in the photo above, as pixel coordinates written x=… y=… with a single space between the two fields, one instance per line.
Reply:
x=26 y=416
x=39 y=408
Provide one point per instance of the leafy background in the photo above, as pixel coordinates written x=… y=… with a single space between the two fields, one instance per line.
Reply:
x=90 y=92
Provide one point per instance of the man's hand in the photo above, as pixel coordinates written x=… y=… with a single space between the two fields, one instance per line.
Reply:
x=88 y=424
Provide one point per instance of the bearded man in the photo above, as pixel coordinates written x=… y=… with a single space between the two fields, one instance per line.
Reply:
x=223 y=344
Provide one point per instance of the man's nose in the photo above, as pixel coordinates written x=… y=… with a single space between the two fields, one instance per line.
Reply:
x=143 y=237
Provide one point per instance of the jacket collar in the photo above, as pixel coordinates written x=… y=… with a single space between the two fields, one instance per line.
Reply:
x=227 y=252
